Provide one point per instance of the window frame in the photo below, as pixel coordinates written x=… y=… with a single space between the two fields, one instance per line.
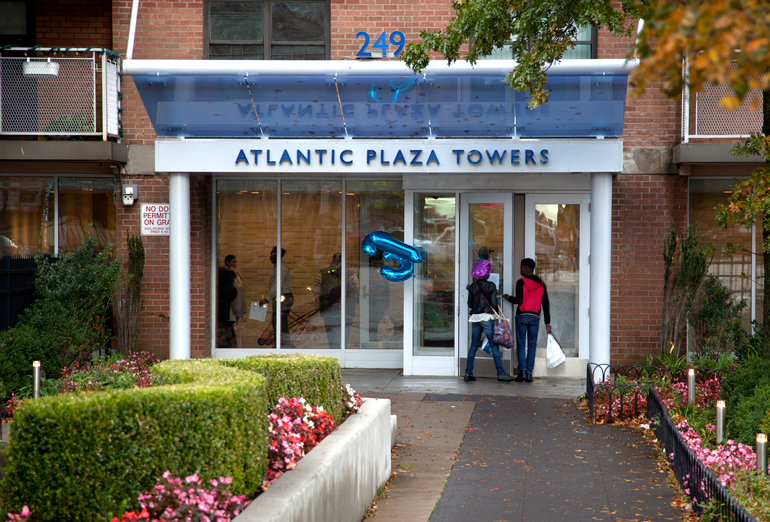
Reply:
x=267 y=30
x=593 y=42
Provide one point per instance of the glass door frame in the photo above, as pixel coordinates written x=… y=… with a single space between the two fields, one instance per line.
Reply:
x=429 y=365
x=465 y=264
x=584 y=200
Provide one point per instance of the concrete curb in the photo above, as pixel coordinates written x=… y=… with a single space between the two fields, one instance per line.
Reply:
x=338 y=479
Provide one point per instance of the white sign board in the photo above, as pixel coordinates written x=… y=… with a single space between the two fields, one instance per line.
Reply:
x=277 y=156
x=155 y=219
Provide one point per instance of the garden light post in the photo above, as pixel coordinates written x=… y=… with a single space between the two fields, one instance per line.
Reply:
x=720 y=421
x=36 y=379
x=691 y=386
x=762 y=453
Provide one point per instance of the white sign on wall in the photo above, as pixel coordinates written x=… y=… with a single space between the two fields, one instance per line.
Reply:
x=407 y=156
x=155 y=219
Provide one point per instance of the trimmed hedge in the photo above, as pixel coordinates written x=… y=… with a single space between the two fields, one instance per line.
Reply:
x=81 y=456
x=317 y=379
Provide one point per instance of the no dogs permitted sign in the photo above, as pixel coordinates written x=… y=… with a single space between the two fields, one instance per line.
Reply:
x=155 y=219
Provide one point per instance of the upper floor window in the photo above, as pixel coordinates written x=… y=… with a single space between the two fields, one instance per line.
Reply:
x=267 y=30
x=585 y=47
x=17 y=23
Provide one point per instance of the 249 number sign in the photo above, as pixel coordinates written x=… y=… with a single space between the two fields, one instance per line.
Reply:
x=396 y=39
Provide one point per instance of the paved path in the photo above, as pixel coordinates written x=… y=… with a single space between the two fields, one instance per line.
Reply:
x=489 y=451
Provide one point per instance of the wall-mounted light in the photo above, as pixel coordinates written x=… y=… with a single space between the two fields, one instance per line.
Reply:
x=40 y=68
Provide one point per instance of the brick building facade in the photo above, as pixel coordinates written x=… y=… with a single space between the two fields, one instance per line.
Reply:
x=649 y=193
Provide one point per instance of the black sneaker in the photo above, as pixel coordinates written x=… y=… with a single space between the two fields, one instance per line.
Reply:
x=469 y=378
x=504 y=377
x=528 y=377
x=520 y=377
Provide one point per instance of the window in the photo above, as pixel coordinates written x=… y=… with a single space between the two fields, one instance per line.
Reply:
x=17 y=23
x=585 y=47
x=267 y=30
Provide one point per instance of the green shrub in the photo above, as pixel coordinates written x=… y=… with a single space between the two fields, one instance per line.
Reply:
x=67 y=322
x=749 y=414
x=80 y=456
x=764 y=427
x=716 y=320
x=317 y=379
x=21 y=345
x=741 y=383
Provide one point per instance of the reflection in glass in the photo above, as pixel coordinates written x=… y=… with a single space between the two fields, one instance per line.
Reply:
x=733 y=270
x=298 y=52
x=84 y=203
x=298 y=21
x=557 y=254
x=486 y=240
x=376 y=307
x=236 y=21
x=247 y=215
x=236 y=52
x=311 y=227
x=26 y=215
x=434 y=292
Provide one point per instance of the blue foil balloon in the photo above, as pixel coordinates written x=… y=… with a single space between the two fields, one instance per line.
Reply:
x=393 y=250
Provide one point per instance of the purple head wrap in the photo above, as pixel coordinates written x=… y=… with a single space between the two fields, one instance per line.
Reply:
x=481 y=269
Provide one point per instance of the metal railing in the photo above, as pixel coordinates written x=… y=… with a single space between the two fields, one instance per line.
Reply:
x=705 y=116
x=44 y=93
x=696 y=479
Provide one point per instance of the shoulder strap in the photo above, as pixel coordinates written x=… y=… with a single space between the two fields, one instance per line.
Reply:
x=485 y=298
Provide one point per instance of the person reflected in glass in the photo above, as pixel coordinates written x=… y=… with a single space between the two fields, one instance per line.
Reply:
x=236 y=307
x=379 y=297
x=226 y=294
x=328 y=300
x=482 y=302
x=287 y=298
x=531 y=297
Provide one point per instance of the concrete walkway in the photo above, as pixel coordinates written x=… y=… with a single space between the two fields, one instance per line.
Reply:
x=489 y=451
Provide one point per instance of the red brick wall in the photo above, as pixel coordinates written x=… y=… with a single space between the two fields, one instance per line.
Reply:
x=73 y=23
x=155 y=333
x=164 y=30
x=351 y=16
x=643 y=208
x=652 y=120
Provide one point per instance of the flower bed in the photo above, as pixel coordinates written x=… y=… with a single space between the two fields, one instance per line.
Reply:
x=731 y=464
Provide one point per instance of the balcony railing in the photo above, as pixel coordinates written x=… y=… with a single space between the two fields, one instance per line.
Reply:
x=703 y=115
x=46 y=94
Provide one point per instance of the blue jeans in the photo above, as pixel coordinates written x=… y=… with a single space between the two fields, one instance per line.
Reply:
x=488 y=328
x=526 y=345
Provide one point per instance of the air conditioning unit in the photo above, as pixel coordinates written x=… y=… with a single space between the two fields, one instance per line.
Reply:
x=41 y=68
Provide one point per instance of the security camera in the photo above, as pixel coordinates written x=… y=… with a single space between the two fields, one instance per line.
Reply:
x=129 y=194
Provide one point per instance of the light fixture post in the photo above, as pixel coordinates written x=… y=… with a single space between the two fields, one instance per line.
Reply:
x=36 y=379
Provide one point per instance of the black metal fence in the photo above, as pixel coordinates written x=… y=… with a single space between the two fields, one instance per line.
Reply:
x=696 y=479
x=17 y=287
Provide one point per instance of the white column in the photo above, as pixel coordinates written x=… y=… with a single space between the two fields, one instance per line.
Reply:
x=601 y=267
x=179 y=266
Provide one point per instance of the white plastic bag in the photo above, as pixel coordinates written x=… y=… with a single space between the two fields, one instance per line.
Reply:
x=257 y=312
x=553 y=354
x=486 y=348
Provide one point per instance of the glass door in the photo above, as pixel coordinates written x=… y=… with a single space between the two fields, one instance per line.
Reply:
x=557 y=229
x=486 y=232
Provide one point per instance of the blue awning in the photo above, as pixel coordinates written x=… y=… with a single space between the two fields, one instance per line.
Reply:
x=312 y=99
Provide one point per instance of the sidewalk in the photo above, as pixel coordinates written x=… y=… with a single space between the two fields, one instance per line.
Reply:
x=489 y=451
